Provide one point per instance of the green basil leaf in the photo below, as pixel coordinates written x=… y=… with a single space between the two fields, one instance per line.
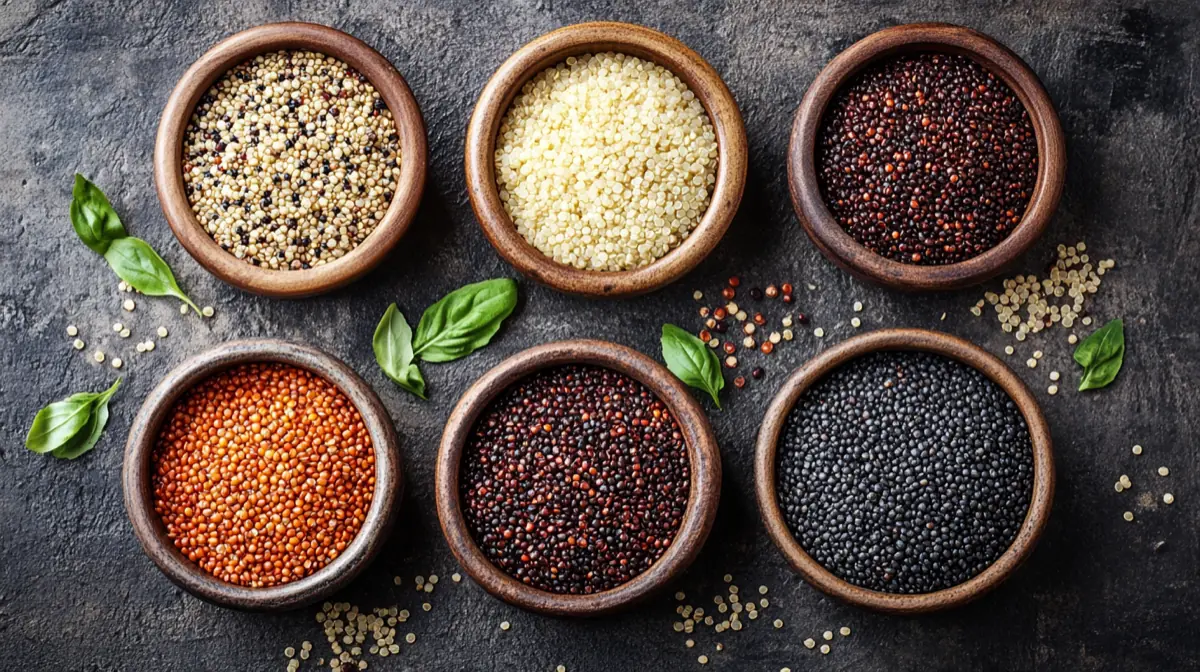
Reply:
x=464 y=320
x=1101 y=374
x=93 y=218
x=394 y=351
x=138 y=264
x=58 y=423
x=1102 y=345
x=692 y=361
x=87 y=438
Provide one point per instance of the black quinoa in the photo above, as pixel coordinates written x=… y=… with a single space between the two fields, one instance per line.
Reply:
x=905 y=472
x=575 y=480
x=927 y=158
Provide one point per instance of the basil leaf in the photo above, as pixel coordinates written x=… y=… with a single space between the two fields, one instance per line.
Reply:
x=93 y=218
x=71 y=427
x=394 y=351
x=1102 y=345
x=138 y=264
x=464 y=320
x=1100 y=375
x=692 y=361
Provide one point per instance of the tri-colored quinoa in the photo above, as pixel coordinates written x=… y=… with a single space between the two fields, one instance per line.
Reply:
x=575 y=480
x=263 y=474
x=927 y=158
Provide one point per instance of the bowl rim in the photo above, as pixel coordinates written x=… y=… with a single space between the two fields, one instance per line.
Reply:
x=594 y=37
x=139 y=496
x=703 y=495
x=168 y=157
x=1041 y=496
x=838 y=245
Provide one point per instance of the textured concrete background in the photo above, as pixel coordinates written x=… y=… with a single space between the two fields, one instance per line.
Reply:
x=82 y=87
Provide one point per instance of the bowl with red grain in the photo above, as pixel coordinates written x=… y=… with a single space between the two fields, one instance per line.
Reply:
x=926 y=157
x=262 y=475
x=577 y=478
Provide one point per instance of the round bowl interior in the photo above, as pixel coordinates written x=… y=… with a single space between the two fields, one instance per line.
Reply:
x=149 y=528
x=703 y=495
x=551 y=49
x=926 y=341
x=168 y=158
x=838 y=245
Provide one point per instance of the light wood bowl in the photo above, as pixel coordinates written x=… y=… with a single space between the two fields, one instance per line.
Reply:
x=703 y=495
x=168 y=157
x=925 y=341
x=838 y=245
x=551 y=49
x=149 y=528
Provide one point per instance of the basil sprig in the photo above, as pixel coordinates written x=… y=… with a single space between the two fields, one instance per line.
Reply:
x=692 y=361
x=132 y=259
x=460 y=323
x=1101 y=355
x=71 y=427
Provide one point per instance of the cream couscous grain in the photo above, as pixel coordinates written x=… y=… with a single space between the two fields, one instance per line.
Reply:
x=290 y=160
x=606 y=162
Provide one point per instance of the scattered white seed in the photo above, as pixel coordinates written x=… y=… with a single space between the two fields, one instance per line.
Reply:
x=1119 y=487
x=1168 y=498
x=1055 y=375
x=810 y=643
x=505 y=625
x=788 y=335
x=456 y=577
x=1031 y=363
x=763 y=590
x=728 y=578
x=1128 y=516
x=149 y=345
x=1008 y=350
x=943 y=317
x=1072 y=339
x=819 y=332
x=786 y=321
x=117 y=327
x=855 y=322
x=690 y=643
x=561 y=668
x=828 y=635
x=1126 y=482
x=775 y=337
x=1086 y=320
x=116 y=362
x=162 y=332
x=1037 y=354
x=844 y=631
x=697 y=295
x=128 y=305
x=98 y=356
x=1053 y=389
x=207 y=311
x=79 y=344
x=427 y=606
x=72 y=330
x=703 y=660
x=125 y=332
x=140 y=347
x=410 y=638
x=825 y=649
x=778 y=623
x=122 y=286
x=858 y=306
x=680 y=596
x=183 y=308
x=1163 y=471
x=1137 y=450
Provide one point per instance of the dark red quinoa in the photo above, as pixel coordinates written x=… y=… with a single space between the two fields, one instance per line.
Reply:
x=575 y=480
x=927 y=158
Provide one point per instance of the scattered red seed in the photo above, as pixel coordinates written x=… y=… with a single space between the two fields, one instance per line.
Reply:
x=734 y=281
x=739 y=382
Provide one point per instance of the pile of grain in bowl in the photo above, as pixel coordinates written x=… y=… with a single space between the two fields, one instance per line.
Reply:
x=606 y=162
x=263 y=474
x=290 y=160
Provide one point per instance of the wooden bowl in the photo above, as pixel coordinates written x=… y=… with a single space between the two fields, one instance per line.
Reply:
x=168 y=157
x=838 y=245
x=550 y=49
x=703 y=495
x=149 y=528
x=926 y=341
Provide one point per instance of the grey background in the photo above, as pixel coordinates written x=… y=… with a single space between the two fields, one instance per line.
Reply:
x=81 y=88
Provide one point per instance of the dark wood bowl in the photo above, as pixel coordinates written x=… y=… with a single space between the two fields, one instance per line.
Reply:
x=838 y=245
x=149 y=528
x=925 y=341
x=168 y=157
x=703 y=495
x=551 y=49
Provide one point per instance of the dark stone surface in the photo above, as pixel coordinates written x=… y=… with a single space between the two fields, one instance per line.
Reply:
x=83 y=84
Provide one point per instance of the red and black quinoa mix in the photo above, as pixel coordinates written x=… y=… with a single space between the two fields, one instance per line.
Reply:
x=927 y=158
x=905 y=472
x=575 y=480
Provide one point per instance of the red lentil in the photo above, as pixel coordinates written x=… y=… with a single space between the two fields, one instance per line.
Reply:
x=263 y=474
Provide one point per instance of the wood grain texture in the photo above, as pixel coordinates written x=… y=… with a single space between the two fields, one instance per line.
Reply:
x=168 y=157
x=926 y=341
x=703 y=495
x=150 y=531
x=551 y=49
x=838 y=245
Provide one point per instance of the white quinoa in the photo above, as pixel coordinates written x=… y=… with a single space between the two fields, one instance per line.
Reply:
x=290 y=160
x=606 y=162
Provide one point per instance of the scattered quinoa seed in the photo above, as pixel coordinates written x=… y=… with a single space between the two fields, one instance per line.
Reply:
x=778 y=623
x=183 y=309
x=207 y=311
x=1031 y=363
x=703 y=659
x=1168 y=498
x=128 y=305
x=72 y=330
x=844 y=631
x=117 y=327
x=1008 y=350
x=79 y=344
x=98 y=356
x=1128 y=516
x=810 y=643
x=1137 y=450
x=456 y=577
x=858 y=306
x=116 y=362
x=855 y=322
x=1163 y=471
x=1053 y=389
x=505 y=625
x=1055 y=375
x=825 y=649
x=162 y=332
x=819 y=332
x=827 y=635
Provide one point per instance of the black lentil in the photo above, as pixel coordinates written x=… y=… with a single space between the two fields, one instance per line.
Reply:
x=927 y=159
x=575 y=480
x=905 y=472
